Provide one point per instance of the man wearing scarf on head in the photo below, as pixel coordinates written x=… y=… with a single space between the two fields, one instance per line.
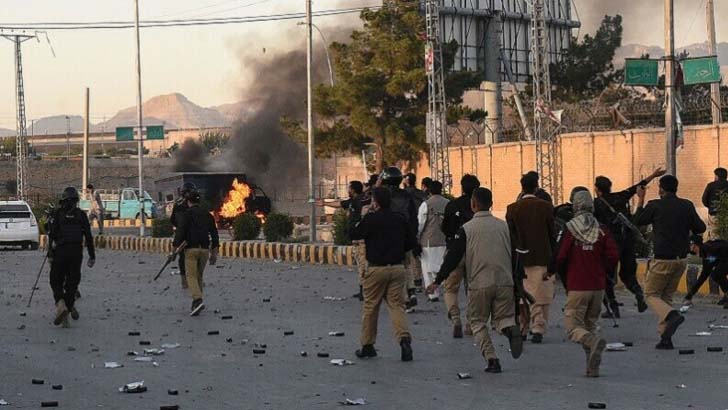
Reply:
x=586 y=254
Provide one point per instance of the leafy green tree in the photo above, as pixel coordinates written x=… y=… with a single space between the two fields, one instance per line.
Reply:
x=587 y=68
x=380 y=95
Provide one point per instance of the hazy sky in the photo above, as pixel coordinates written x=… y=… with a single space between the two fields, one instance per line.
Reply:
x=207 y=63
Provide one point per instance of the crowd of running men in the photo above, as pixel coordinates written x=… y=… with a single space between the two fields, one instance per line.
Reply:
x=406 y=238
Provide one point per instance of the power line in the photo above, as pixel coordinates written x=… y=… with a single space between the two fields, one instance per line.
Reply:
x=104 y=25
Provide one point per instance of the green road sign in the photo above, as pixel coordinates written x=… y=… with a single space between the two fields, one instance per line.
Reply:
x=701 y=70
x=155 y=132
x=640 y=72
x=124 y=133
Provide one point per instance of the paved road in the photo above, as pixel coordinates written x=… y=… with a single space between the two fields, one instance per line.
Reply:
x=211 y=373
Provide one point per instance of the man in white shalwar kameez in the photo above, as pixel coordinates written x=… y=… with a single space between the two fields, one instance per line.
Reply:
x=430 y=235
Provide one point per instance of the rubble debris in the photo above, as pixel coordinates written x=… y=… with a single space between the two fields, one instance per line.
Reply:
x=686 y=351
x=628 y=344
x=145 y=343
x=134 y=333
x=170 y=345
x=464 y=376
x=266 y=300
x=593 y=405
x=341 y=362
x=304 y=354
x=153 y=352
x=702 y=334
x=57 y=387
x=355 y=402
x=334 y=298
x=135 y=387
x=336 y=334
x=213 y=332
x=21 y=327
x=172 y=407
x=261 y=345
x=172 y=392
x=684 y=309
x=288 y=333
x=681 y=386
x=258 y=351
x=144 y=359
x=132 y=353
x=718 y=326
x=227 y=317
x=616 y=347
x=4 y=403
x=38 y=381
x=322 y=354
x=49 y=404
x=715 y=349
x=229 y=340
x=112 y=365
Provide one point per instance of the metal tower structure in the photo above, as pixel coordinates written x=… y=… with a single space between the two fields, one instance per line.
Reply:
x=20 y=124
x=545 y=122
x=437 y=108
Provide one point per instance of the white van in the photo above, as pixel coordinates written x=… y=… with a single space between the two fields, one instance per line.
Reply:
x=18 y=225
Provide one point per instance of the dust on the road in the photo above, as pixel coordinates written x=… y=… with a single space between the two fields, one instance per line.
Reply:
x=281 y=336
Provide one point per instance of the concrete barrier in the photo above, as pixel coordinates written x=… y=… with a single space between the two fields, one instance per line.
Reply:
x=319 y=254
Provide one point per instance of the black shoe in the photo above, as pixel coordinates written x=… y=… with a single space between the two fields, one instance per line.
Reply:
x=524 y=337
x=406 y=345
x=197 y=307
x=514 y=340
x=366 y=351
x=641 y=305
x=411 y=302
x=537 y=338
x=674 y=320
x=614 y=308
x=457 y=331
x=665 y=344
x=493 y=366
x=74 y=314
x=725 y=306
x=723 y=301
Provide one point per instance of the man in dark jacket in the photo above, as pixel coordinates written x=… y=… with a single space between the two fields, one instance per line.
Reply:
x=457 y=213
x=197 y=228
x=714 y=254
x=68 y=229
x=403 y=203
x=587 y=252
x=531 y=223
x=711 y=196
x=388 y=237
x=540 y=192
x=673 y=220
x=178 y=210
x=607 y=206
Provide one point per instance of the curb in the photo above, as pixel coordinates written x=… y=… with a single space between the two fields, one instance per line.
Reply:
x=316 y=254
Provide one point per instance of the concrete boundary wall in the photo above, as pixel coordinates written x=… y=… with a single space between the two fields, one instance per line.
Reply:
x=319 y=254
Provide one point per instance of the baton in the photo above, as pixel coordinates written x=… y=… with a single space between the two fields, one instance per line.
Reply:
x=171 y=258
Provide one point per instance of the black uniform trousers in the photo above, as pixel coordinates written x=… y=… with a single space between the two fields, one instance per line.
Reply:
x=627 y=270
x=181 y=264
x=719 y=274
x=66 y=272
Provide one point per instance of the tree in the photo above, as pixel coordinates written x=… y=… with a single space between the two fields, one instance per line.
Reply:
x=214 y=141
x=380 y=95
x=587 y=67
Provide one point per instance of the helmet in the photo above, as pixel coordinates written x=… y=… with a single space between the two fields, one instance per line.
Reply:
x=192 y=196
x=187 y=187
x=391 y=176
x=69 y=194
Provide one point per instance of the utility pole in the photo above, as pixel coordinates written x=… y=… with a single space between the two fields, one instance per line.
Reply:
x=670 y=160
x=21 y=155
x=311 y=141
x=140 y=143
x=712 y=50
x=68 y=137
x=437 y=107
x=84 y=177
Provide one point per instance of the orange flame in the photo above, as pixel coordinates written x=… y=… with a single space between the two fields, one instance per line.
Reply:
x=234 y=203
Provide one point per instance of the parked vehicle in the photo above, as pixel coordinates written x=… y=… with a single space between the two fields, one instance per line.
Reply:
x=18 y=225
x=122 y=204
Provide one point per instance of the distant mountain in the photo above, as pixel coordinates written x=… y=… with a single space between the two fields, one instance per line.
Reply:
x=4 y=132
x=694 y=50
x=55 y=125
x=172 y=111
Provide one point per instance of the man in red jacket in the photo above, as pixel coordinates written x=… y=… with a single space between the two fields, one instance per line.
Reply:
x=587 y=253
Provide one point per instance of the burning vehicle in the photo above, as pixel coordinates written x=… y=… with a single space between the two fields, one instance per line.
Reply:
x=227 y=194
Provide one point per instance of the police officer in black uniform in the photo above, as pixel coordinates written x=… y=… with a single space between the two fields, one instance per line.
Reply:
x=68 y=228
x=403 y=204
x=178 y=210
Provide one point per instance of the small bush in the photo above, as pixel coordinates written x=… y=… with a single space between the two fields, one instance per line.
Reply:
x=277 y=226
x=341 y=228
x=246 y=227
x=162 y=228
x=721 y=219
